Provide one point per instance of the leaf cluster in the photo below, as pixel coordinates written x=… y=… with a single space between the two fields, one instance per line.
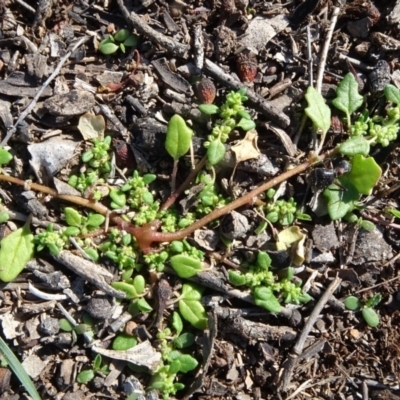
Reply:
x=267 y=289
x=231 y=115
x=367 y=308
x=120 y=40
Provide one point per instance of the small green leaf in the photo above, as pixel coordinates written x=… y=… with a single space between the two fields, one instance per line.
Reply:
x=352 y=303
x=236 y=278
x=246 y=124
x=65 y=325
x=16 y=250
x=208 y=109
x=341 y=201
x=370 y=316
x=131 y=41
x=97 y=362
x=128 y=289
x=174 y=367
x=244 y=114
x=190 y=307
x=355 y=145
x=317 y=110
x=215 y=152
x=95 y=220
x=122 y=47
x=184 y=340
x=139 y=283
x=107 y=47
x=4 y=216
x=124 y=342
x=185 y=266
x=263 y=260
x=93 y=254
x=71 y=231
x=193 y=312
x=121 y=35
x=374 y=300
x=392 y=93
x=347 y=98
x=72 y=217
x=177 y=322
x=364 y=174
x=367 y=225
x=144 y=306
x=264 y=297
x=118 y=197
x=188 y=363
x=179 y=137
x=5 y=156
x=149 y=178
x=394 y=212
x=190 y=291
x=85 y=376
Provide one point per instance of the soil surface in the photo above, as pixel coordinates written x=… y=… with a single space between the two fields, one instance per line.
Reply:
x=58 y=92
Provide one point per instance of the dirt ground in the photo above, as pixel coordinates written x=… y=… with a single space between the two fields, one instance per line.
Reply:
x=55 y=79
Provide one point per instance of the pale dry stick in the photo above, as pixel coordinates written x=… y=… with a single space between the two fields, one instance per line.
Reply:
x=32 y=104
x=138 y=23
x=293 y=358
x=198 y=45
x=324 y=56
x=259 y=102
x=310 y=60
x=27 y=6
x=325 y=49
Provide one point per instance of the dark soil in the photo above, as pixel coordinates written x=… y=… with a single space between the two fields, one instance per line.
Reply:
x=246 y=352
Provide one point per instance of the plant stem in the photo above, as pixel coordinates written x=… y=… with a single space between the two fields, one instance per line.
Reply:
x=148 y=234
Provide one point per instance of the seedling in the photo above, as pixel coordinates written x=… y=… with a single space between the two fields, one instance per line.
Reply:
x=367 y=308
x=120 y=40
x=177 y=143
x=233 y=115
x=174 y=362
x=87 y=375
x=268 y=290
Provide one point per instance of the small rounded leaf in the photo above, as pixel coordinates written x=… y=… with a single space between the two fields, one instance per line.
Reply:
x=370 y=316
x=85 y=376
x=215 y=152
x=352 y=303
x=185 y=266
x=124 y=342
x=122 y=35
x=107 y=47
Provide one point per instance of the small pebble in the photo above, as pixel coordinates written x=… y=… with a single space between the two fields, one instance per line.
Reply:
x=100 y=307
x=50 y=326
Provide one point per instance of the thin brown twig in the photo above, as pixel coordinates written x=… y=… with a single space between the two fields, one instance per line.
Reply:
x=32 y=104
x=169 y=44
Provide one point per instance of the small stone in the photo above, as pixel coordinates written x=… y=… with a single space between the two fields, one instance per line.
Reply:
x=100 y=307
x=50 y=326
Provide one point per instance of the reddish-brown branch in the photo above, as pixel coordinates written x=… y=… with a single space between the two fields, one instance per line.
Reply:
x=148 y=234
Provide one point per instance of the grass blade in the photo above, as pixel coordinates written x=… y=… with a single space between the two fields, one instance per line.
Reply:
x=18 y=370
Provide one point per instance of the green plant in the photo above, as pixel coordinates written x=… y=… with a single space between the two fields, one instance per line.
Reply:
x=177 y=142
x=18 y=370
x=367 y=308
x=85 y=376
x=16 y=250
x=97 y=167
x=174 y=362
x=232 y=115
x=120 y=40
x=268 y=290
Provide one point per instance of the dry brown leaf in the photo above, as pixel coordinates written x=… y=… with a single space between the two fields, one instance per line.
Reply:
x=247 y=148
x=92 y=126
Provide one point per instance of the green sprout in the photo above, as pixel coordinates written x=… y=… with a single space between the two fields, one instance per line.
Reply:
x=120 y=40
x=85 y=376
x=367 y=308
x=174 y=361
x=232 y=115
x=268 y=290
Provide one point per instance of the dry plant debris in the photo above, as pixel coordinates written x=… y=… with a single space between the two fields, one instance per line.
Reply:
x=200 y=199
